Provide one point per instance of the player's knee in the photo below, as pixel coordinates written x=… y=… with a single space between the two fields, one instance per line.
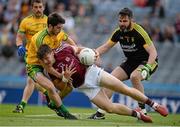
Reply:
x=50 y=89
x=30 y=81
x=134 y=78
x=109 y=110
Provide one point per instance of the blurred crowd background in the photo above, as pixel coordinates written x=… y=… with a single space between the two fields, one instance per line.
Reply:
x=91 y=22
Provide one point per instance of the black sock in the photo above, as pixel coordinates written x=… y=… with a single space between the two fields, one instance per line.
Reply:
x=149 y=102
x=134 y=113
x=141 y=105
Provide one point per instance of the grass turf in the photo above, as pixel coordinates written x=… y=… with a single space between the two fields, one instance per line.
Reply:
x=42 y=116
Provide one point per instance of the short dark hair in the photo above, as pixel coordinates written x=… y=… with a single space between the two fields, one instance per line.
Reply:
x=43 y=50
x=54 y=19
x=36 y=1
x=126 y=11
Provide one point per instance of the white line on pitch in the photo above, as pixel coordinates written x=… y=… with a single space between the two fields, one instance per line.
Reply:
x=44 y=115
x=40 y=115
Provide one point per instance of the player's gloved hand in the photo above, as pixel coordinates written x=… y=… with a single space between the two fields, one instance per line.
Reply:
x=145 y=71
x=21 y=50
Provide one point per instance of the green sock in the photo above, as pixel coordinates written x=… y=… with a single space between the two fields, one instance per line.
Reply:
x=23 y=103
x=47 y=97
x=52 y=105
x=45 y=93
x=63 y=109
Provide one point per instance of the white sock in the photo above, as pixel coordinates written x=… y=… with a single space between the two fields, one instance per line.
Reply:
x=138 y=115
x=155 y=105
x=144 y=111
x=101 y=111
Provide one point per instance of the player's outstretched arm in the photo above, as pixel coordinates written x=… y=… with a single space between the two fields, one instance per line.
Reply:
x=105 y=47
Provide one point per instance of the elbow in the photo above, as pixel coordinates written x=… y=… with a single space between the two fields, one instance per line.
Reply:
x=155 y=54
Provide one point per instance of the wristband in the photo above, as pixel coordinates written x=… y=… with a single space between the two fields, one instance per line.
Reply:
x=149 y=66
x=65 y=80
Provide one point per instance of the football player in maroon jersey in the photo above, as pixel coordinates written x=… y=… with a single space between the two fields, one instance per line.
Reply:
x=91 y=79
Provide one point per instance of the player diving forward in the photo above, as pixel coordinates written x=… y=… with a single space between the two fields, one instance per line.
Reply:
x=90 y=79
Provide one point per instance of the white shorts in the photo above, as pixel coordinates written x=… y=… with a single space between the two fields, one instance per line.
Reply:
x=91 y=84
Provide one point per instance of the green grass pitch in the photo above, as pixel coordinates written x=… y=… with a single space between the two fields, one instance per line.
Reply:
x=42 y=116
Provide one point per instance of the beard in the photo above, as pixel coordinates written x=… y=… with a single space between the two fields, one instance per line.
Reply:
x=125 y=29
x=38 y=14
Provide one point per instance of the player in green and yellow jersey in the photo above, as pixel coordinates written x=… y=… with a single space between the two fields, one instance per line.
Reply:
x=53 y=36
x=139 y=50
x=30 y=25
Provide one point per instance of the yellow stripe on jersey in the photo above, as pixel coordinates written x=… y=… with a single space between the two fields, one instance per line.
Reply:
x=113 y=33
x=40 y=37
x=21 y=31
x=65 y=37
x=145 y=45
x=143 y=33
x=111 y=43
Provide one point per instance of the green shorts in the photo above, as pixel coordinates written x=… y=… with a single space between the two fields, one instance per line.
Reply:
x=32 y=70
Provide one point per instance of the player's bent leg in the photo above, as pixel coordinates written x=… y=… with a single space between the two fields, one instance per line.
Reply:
x=28 y=90
x=64 y=90
x=100 y=114
x=120 y=74
x=136 y=78
x=103 y=102
x=49 y=86
x=44 y=91
x=112 y=83
x=36 y=73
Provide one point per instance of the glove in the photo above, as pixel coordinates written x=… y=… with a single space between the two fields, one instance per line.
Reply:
x=145 y=71
x=21 y=50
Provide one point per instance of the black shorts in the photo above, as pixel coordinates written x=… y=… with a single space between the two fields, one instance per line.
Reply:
x=130 y=65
